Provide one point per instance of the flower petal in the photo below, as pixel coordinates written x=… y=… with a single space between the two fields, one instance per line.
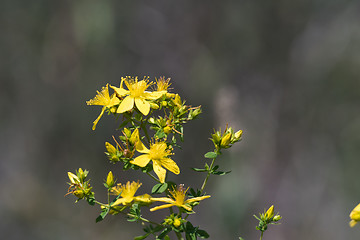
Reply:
x=126 y=105
x=160 y=172
x=98 y=118
x=163 y=199
x=142 y=105
x=120 y=91
x=154 y=95
x=161 y=207
x=196 y=199
x=170 y=165
x=141 y=160
x=113 y=101
x=119 y=201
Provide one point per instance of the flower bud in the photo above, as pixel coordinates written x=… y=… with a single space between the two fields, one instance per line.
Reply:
x=177 y=100
x=134 y=137
x=238 y=134
x=110 y=180
x=154 y=105
x=167 y=129
x=277 y=218
x=164 y=103
x=79 y=193
x=112 y=153
x=225 y=141
x=73 y=178
x=127 y=132
x=195 y=113
x=177 y=222
x=270 y=212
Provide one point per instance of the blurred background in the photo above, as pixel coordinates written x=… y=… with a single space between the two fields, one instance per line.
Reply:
x=285 y=72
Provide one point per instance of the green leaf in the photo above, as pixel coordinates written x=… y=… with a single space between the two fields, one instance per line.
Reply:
x=159 y=188
x=91 y=201
x=141 y=237
x=164 y=233
x=160 y=134
x=202 y=233
x=220 y=173
x=199 y=170
x=102 y=215
x=210 y=155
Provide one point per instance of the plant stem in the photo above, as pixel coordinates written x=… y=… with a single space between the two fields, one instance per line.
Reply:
x=261 y=236
x=179 y=236
x=207 y=177
x=153 y=177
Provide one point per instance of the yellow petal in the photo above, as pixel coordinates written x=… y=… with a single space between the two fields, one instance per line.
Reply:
x=196 y=199
x=161 y=207
x=170 y=165
x=163 y=199
x=98 y=118
x=142 y=105
x=352 y=223
x=154 y=95
x=119 y=201
x=120 y=91
x=126 y=105
x=160 y=172
x=113 y=101
x=141 y=160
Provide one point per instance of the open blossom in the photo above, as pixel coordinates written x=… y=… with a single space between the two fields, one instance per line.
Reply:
x=158 y=154
x=103 y=99
x=177 y=198
x=136 y=95
x=127 y=192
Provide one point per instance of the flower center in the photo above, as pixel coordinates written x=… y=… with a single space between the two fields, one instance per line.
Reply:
x=136 y=88
x=158 y=151
x=179 y=195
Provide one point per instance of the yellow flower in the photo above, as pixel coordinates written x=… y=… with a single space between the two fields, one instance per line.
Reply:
x=136 y=94
x=103 y=99
x=158 y=153
x=177 y=198
x=162 y=84
x=355 y=216
x=128 y=193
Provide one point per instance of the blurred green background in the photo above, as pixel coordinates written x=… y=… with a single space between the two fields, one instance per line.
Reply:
x=285 y=72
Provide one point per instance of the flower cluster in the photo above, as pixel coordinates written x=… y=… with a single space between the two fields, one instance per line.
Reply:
x=152 y=125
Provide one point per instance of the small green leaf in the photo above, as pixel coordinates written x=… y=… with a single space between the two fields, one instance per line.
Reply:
x=220 y=173
x=202 y=233
x=210 y=155
x=102 y=215
x=199 y=169
x=164 y=233
x=159 y=188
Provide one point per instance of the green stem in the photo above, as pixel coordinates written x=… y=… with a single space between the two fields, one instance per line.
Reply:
x=261 y=236
x=153 y=177
x=179 y=236
x=207 y=177
x=128 y=214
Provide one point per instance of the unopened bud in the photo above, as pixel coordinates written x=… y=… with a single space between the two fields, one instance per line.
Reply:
x=154 y=105
x=167 y=129
x=177 y=222
x=110 y=180
x=277 y=218
x=270 y=212
x=134 y=137
x=73 y=178
x=238 y=134
x=225 y=141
